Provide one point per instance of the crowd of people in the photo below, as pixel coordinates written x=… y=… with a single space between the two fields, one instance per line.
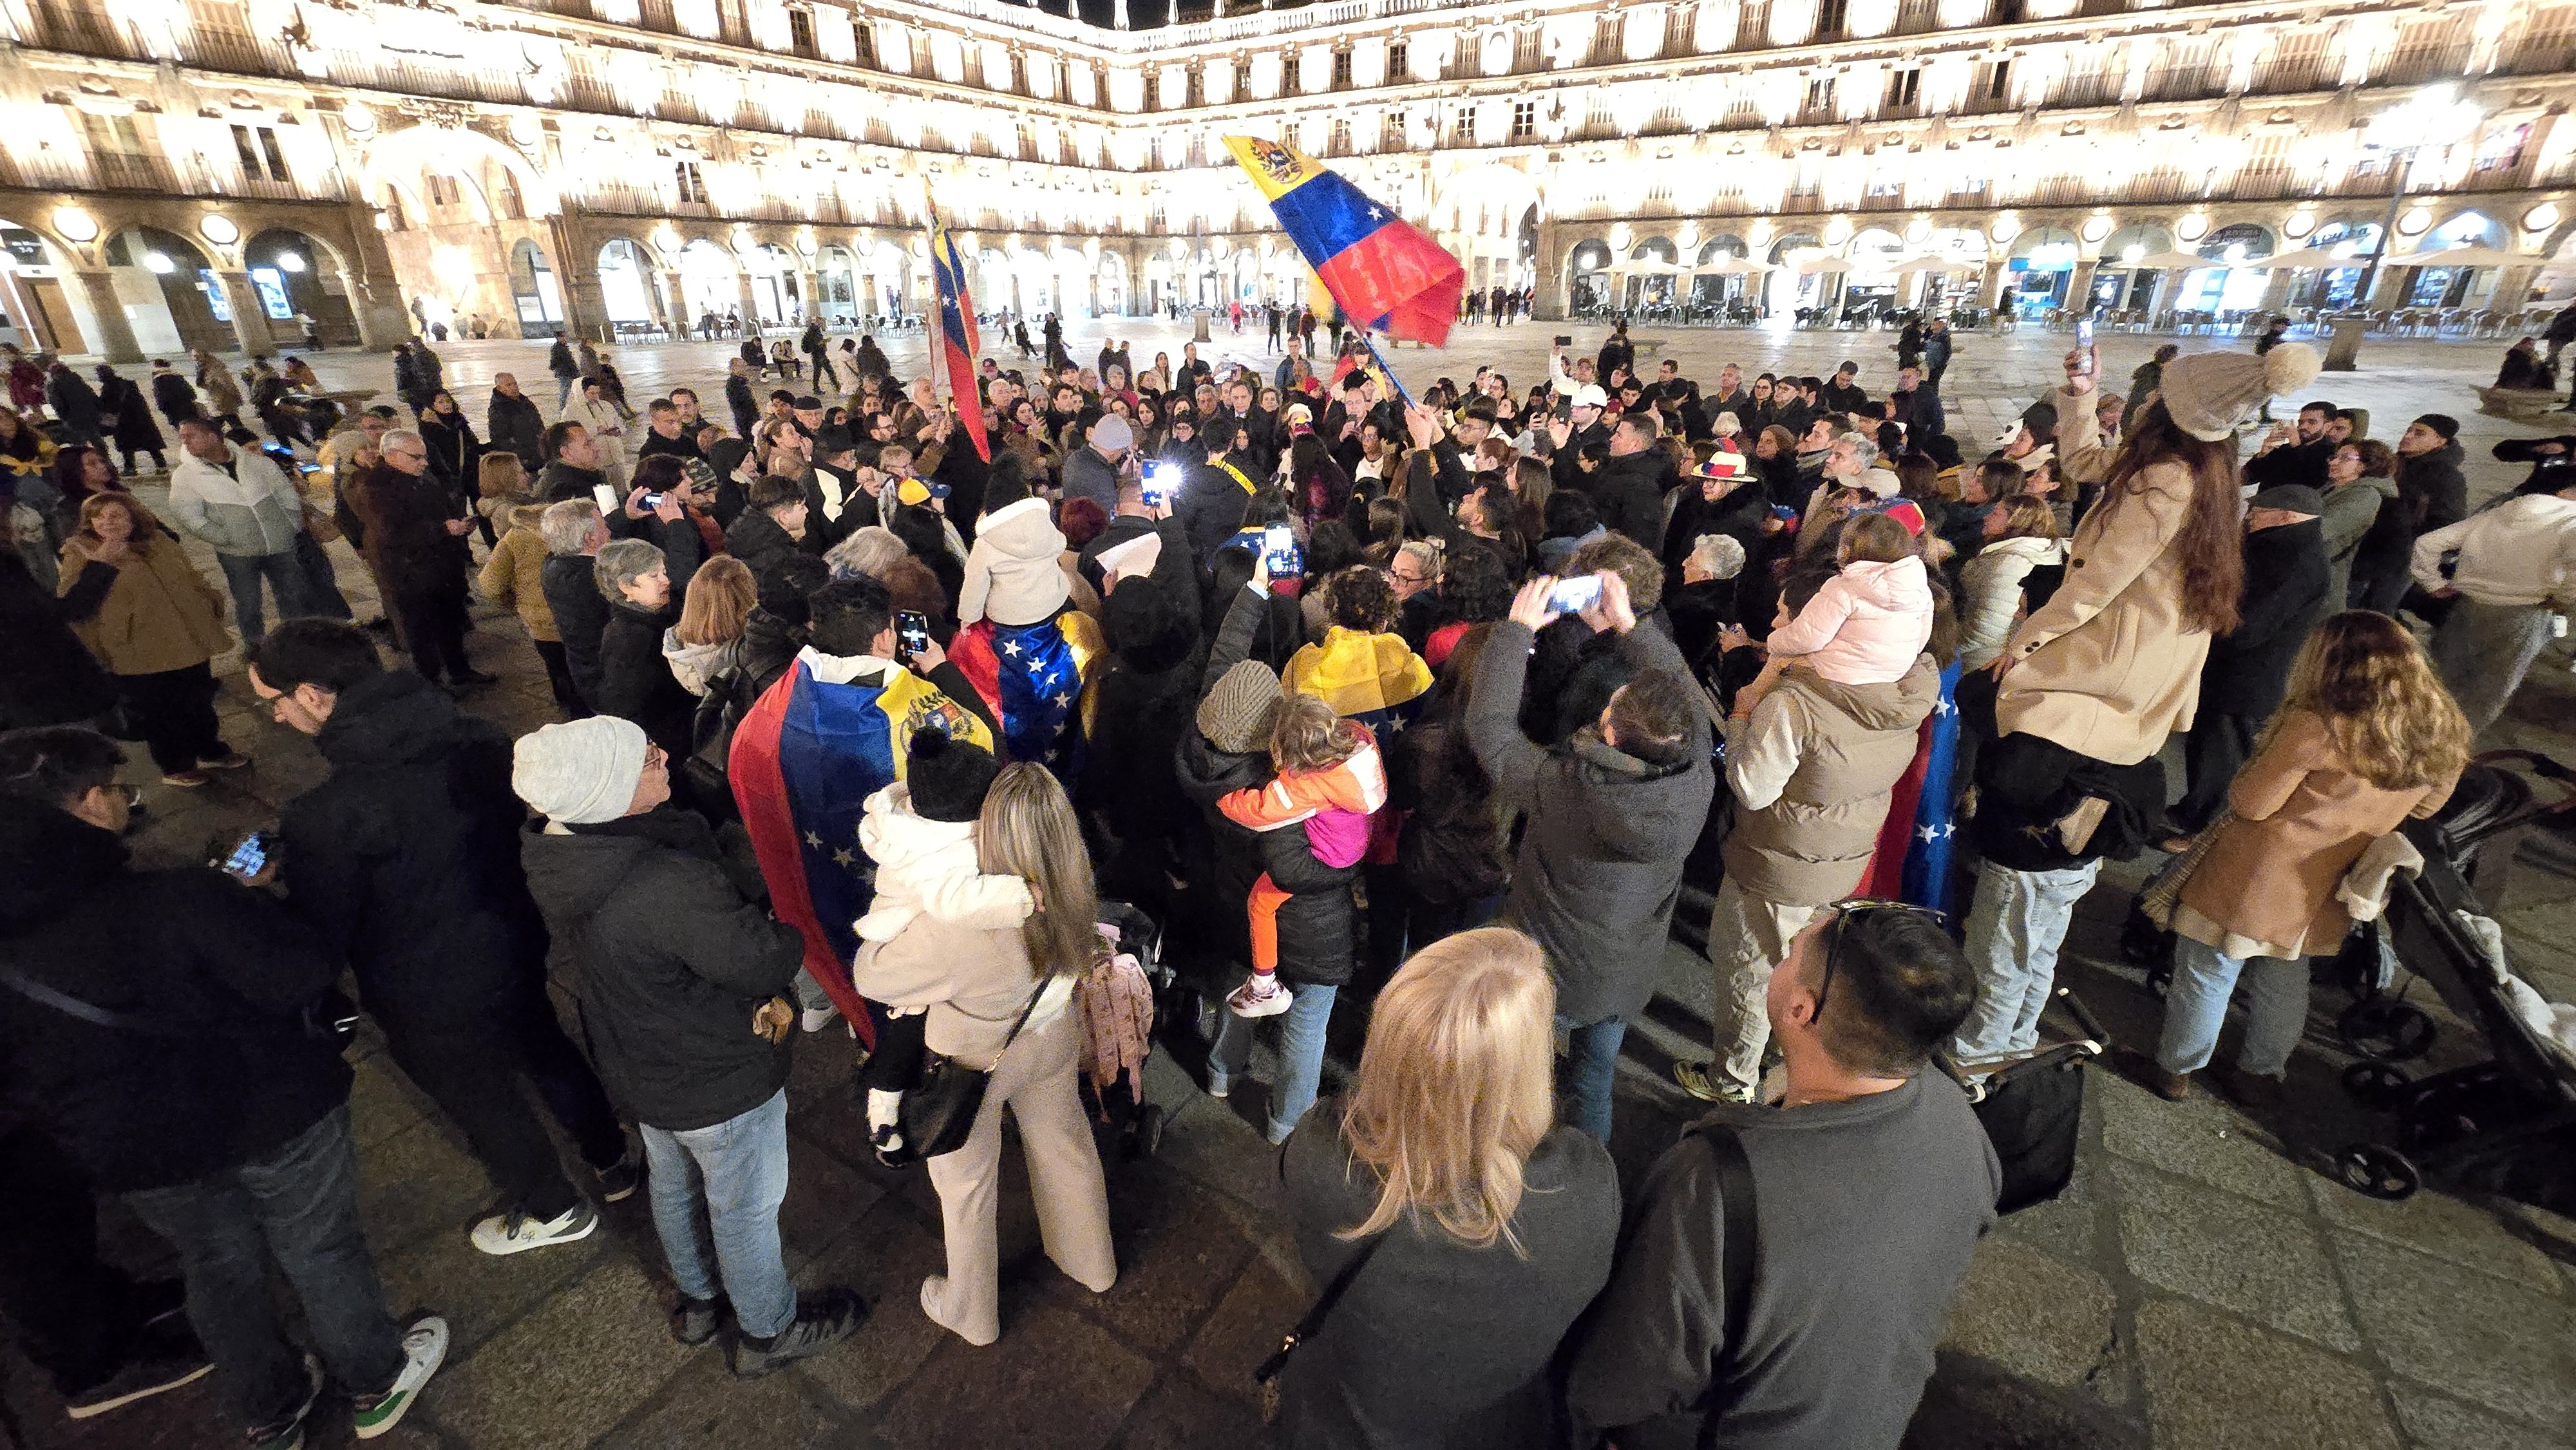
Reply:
x=1418 y=709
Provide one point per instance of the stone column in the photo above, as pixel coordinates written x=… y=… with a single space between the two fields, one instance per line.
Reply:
x=114 y=339
x=250 y=321
x=750 y=309
x=375 y=300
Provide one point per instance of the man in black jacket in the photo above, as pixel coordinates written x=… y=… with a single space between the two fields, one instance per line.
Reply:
x=2294 y=453
x=572 y=464
x=405 y=858
x=1869 y=1189
x=1612 y=814
x=156 y=1019
x=514 y=425
x=172 y=394
x=2248 y=669
x=574 y=534
x=1629 y=492
x=680 y=978
x=1210 y=507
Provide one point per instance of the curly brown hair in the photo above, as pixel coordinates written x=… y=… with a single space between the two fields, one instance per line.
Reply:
x=1360 y=597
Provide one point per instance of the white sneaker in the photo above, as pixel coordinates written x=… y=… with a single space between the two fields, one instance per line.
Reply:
x=815 y=1019
x=516 y=1233
x=1260 y=996
x=424 y=1350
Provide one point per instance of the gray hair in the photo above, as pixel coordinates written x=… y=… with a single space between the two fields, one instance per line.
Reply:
x=622 y=563
x=870 y=551
x=1864 y=448
x=402 y=438
x=1722 y=555
x=565 y=526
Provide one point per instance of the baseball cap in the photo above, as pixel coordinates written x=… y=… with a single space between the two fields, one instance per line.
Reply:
x=1591 y=396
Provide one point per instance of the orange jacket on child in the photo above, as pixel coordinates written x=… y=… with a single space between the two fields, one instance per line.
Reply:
x=1333 y=803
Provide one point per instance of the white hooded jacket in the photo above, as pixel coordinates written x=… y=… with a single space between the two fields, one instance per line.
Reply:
x=927 y=867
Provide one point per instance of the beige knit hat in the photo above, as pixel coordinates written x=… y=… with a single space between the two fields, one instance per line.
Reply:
x=2210 y=394
x=1235 y=717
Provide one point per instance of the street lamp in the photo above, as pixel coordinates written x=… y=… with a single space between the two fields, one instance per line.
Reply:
x=2437 y=116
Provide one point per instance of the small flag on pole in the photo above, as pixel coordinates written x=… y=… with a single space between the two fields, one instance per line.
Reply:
x=957 y=338
x=1384 y=273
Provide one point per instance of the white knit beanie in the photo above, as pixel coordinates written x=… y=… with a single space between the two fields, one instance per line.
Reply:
x=582 y=772
x=2211 y=394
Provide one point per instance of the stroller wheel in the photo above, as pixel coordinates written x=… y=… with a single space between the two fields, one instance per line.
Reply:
x=2385 y=1029
x=2375 y=1084
x=2379 y=1171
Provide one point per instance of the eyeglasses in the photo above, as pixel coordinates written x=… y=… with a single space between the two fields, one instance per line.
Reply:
x=1857 y=906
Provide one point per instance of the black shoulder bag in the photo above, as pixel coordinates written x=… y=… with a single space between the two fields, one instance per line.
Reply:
x=1308 y=1326
x=938 y=1113
x=329 y=1018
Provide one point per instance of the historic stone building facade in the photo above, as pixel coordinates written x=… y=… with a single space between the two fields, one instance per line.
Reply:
x=214 y=172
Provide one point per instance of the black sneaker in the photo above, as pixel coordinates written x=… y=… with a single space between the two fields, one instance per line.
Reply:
x=288 y=1433
x=823 y=1319
x=619 y=1180
x=695 y=1321
x=140 y=1379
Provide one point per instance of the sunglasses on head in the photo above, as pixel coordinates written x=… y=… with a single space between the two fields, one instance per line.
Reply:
x=1844 y=911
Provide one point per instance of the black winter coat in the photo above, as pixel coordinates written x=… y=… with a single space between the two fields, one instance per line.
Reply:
x=1450 y=851
x=406 y=858
x=1319 y=921
x=671 y=958
x=72 y=401
x=581 y=615
x=128 y=416
x=175 y=398
x=47 y=676
x=223 y=972
x=1144 y=697
x=635 y=680
x=517 y=427
x=1628 y=493
x=455 y=454
x=2432 y=487
x=2286 y=574
x=1600 y=865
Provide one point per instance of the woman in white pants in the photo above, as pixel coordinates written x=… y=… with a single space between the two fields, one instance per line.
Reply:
x=975 y=985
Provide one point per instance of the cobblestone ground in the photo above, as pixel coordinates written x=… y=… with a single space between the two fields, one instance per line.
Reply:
x=2202 y=1285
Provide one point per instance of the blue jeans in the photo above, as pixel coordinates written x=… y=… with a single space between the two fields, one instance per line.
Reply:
x=2015 y=927
x=284 y=572
x=2276 y=1003
x=563 y=392
x=299 y=1205
x=1301 y=1056
x=1591 y=1067
x=716 y=1192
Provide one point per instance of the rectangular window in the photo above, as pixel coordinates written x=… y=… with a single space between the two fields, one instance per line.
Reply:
x=800 y=31
x=1154 y=152
x=1905 y=88
x=1391 y=132
x=1466 y=128
x=1820 y=97
x=1524 y=120
x=1341 y=142
x=1341 y=70
x=693 y=185
x=276 y=158
x=1829 y=18
x=1399 y=61
x=248 y=151
x=1999 y=81
x=867 y=33
x=513 y=206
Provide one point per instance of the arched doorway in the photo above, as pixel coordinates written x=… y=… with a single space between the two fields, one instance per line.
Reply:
x=1587 y=279
x=1073 y=283
x=172 y=298
x=1653 y=264
x=1717 y=289
x=35 y=313
x=625 y=288
x=836 y=281
x=773 y=285
x=2119 y=283
x=2227 y=286
x=1109 y=284
x=710 y=284
x=2451 y=286
x=1806 y=289
x=2041 y=268
x=1873 y=288
x=293 y=275
x=2353 y=241
x=534 y=291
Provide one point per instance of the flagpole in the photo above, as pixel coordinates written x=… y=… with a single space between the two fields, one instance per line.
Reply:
x=1369 y=341
x=938 y=303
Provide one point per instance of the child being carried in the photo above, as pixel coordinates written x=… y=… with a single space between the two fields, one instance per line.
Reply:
x=1331 y=779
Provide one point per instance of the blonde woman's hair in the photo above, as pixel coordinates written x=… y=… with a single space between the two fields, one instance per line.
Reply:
x=1454 y=1088
x=721 y=595
x=1027 y=829
x=2391 y=718
x=2027 y=516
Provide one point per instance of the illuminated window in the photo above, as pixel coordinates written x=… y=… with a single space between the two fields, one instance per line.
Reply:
x=1466 y=128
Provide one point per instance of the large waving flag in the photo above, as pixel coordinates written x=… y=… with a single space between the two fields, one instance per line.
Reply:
x=957 y=337
x=1033 y=676
x=1384 y=273
x=805 y=759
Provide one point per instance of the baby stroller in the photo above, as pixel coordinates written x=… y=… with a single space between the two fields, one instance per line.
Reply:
x=2506 y=1125
x=1118 y=1092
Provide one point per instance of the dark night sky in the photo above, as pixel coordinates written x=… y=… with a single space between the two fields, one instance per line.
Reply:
x=1148 y=14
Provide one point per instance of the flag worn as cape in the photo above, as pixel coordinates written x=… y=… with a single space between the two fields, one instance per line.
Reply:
x=830 y=733
x=1034 y=677
x=1384 y=273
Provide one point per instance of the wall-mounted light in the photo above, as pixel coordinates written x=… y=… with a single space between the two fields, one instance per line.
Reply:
x=2299 y=225
x=2096 y=228
x=2193 y=227
x=357 y=118
x=2415 y=222
x=75 y=224
x=159 y=263
x=219 y=229
x=289 y=262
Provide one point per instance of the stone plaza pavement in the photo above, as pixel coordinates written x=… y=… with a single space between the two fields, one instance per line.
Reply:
x=2202 y=1285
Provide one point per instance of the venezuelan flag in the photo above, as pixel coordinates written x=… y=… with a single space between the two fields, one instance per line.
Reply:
x=828 y=735
x=957 y=338
x=1036 y=679
x=1383 y=272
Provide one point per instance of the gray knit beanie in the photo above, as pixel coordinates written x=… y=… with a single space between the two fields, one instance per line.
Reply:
x=582 y=772
x=1236 y=715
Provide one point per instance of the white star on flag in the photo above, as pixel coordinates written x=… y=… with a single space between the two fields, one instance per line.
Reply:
x=842 y=857
x=813 y=840
x=1011 y=647
x=1060 y=700
x=1928 y=834
x=1943 y=707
